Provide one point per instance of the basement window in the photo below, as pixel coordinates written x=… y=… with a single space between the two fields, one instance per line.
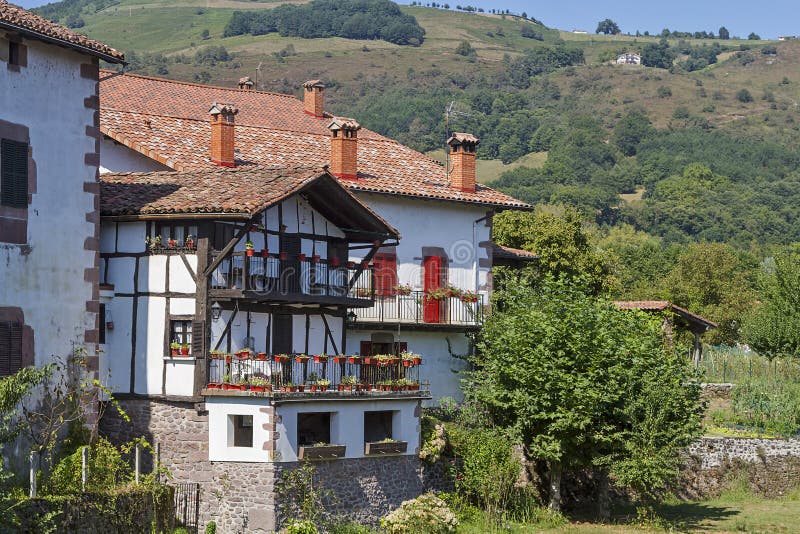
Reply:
x=378 y=426
x=313 y=428
x=240 y=431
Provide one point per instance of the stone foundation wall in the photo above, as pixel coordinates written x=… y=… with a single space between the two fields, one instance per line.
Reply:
x=240 y=496
x=770 y=467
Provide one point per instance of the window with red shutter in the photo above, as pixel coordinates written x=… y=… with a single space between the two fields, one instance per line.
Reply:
x=385 y=264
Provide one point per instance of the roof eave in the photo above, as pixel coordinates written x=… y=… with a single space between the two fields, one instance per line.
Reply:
x=239 y=216
x=61 y=42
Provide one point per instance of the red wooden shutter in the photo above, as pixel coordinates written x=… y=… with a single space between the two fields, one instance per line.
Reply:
x=366 y=348
x=385 y=274
x=432 y=275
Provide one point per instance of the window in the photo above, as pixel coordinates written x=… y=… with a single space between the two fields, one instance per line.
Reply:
x=180 y=331
x=17 y=55
x=14 y=173
x=377 y=426
x=102 y=318
x=10 y=347
x=313 y=428
x=240 y=431
x=176 y=235
x=385 y=273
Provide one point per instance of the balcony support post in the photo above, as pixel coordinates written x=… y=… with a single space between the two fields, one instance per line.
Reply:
x=225 y=251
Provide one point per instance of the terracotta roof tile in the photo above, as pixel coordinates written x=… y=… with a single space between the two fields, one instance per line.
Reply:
x=168 y=121
x=18 y=18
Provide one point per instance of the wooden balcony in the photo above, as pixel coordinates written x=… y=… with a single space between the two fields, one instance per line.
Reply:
x=293 y=280
x=415 y=308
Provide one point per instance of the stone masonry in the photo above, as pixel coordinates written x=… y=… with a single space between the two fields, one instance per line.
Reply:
x=239 y=496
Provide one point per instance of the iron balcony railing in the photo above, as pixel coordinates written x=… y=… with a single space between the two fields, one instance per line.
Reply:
x=292 y=373
x=279 y=275
x=417 y=307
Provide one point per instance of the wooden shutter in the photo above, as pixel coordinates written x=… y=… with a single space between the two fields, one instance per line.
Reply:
x=10 y=348
x=102 y=323
x=14 y=174
x=199 y=339
x=432 y=279
x=366 y=348
x=282 y=325
x=385 y=273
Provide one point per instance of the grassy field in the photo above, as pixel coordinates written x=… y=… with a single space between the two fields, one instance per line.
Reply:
x=734 y=511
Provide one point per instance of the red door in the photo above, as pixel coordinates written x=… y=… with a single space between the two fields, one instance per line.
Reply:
x=385 y=268
x=432 y=279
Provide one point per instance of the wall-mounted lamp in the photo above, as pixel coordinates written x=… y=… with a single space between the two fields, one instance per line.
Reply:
x=216 y=311
x=352 y=317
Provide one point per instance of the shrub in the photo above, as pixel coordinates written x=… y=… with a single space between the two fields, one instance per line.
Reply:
x=106 y=469
x=744 y=96
x=681 y=112
x=664 y=91
x=426 y=514
x=300 y=526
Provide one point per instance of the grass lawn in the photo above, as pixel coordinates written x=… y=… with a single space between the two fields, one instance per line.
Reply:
x=735 y=511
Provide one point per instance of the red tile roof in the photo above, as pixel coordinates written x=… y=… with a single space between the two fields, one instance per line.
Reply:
x=18 y=19
x=168 y=121
x=240 y=192
x=661 y=305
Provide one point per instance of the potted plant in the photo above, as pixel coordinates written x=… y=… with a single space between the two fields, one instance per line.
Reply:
x=248 y=247
x=440 y=293
x=321 y=358
x=228 y=358
x=240 y=384
x=301 y=388
x=315 y=258
x=281 y=358
x=363 y=293
x=334 y=261
x=289 y=387
x=351 y=265
x=189 y=242
x=369 y=360
x=154 y=243
x=216 y=354
x=243 y=354
x=301 y=358
x=214 y=385
x=355 y=360
x=403 y=289
x=261 y=356
x=320 y=451
x=174 y=348
x=226 y=381
x=301 y=257
x=341 y=358
x=323 y=384
x=185 y=349
x=346 y=383
x=410 y=359
x=385 y=446
x=469 y=297
x=260 y=385
x=312 y=382
x=172 y=243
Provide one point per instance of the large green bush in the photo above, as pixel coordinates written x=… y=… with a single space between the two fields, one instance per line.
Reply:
x=427 y=514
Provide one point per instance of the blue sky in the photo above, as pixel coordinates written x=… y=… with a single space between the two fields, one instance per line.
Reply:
x=768 y=19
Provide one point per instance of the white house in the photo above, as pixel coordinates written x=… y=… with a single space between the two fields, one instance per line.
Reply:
x=49 y=190
x=629 y=58
x=309 y=236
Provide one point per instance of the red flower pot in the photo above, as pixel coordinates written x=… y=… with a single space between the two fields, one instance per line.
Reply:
x=257 y=389
x=351 y=264
x=250 y=252
x=174 y=352
x=313 y=388
x=298 y=359
x=407 y=363
x=228 y=358
x=365 y=264
x=172 y=243
x=226 y=386
x=417 y=361
x=264 y=253
x=261 y=356
x=323 y=388
x=320 y=359
x=355 y=360
x=214 y=385
x=316 y=258
x=184 y=351
x=301 y=388
x=280 y=359
x=369 y=361
x=335 y=262
x=339 y=359
x=301 y=257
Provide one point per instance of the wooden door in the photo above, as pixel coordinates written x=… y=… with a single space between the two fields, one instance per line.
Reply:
x=432 y=279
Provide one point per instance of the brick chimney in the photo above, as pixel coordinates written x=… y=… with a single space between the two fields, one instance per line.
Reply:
x=313 y=98
x=246 y=83
x=462 y=161
x=344 y=148
x=222 y=126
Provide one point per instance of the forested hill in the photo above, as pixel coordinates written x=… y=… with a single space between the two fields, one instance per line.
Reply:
x=702 y=145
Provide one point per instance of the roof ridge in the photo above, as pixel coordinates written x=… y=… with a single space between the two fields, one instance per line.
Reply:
x=220 y=169
x=193 y=84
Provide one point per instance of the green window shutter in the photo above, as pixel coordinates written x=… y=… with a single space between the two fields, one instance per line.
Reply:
x=14 y=174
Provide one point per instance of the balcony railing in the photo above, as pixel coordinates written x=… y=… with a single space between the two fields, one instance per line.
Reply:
x=274 y=276
x=291 y=373
x=417 y=308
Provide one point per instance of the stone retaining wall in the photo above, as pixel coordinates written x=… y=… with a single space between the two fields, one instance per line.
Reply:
x=717 y=391
x=771 y=467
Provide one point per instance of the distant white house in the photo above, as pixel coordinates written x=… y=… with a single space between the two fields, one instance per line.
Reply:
x=787 y=37
x=580 y=32
x=629 y=58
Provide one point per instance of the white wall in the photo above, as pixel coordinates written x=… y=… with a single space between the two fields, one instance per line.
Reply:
x=431 y=223
x=115 y=157
x=45 y=277
x=347 y=424
x=258 y=329
x=219 y=408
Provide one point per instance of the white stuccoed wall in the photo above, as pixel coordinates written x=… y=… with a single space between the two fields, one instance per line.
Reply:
x=115 y=157
x=45 y=277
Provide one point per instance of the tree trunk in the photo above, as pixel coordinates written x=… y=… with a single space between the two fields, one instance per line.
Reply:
x=603 y=496
x=555 y=486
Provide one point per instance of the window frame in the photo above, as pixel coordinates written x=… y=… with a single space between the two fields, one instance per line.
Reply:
x=11 y=333
x=14 y=188
x=184 y=336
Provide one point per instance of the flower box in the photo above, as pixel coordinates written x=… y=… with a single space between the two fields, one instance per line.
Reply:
x=301 y=359
x=321 y=452
x=385 y=447
x=261 y=389
x=281 y=358
x=320 y=358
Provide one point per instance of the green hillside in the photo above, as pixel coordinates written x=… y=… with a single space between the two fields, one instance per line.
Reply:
x=620 y=139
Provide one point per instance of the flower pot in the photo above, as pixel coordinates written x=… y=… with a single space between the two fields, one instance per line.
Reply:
x=369 y=361
x=213 y=385
x=365 y=264
x=323 y=388
x=228 y=358
x=355 y=360
x=250 y=252
x=315 y=258
x=413 y=387
x=339 y=359
x=190 y=245
x=226 y=386
x=243 y=355
x=280 y=359
x=288 y=389
x=301 y=388
x=320 y=359
x=184 y=351
x=313 y=388
x=351 y=265
x=417 y=361
x=172 y=243
x=174 y=352
x=335 y=262
x=264 y=253
x=257 y=389
x=301 y=257
x=261 y=356
x=407 y=363
x=359 y=387
x=298 y=359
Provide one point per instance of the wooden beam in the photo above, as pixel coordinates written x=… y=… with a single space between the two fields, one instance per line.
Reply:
x=226 y=330
x=329 y=334
x=224 y=252
x=360 y=268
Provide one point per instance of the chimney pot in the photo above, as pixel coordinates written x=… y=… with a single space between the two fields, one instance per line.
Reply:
x=462 y=161
x=246 y=83
x=313 y=98
x=344 y=148
x=222 y=134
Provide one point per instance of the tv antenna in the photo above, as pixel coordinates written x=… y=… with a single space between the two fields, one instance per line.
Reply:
x=449 y=112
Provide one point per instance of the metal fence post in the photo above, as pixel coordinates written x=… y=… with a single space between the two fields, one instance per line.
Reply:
x=33 y=462
x=136 y=458
x=84 y=467
x=158 y=463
